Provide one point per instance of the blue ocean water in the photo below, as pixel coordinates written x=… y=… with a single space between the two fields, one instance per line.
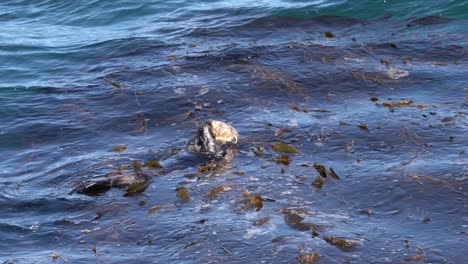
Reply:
x=78 y=78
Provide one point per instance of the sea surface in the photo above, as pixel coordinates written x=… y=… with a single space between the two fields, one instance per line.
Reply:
x=375 y=90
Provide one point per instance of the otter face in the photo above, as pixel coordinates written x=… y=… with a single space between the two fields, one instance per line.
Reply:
x=214 y=138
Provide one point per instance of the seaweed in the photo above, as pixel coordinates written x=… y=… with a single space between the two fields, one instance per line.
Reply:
x=261 y=221
x=328 y=34
x=322 y=170
x=257 y=201
x=318 y=182
x=182 y=193
x=281 y=147
x=115 y=84
x=216 y=191
x=308 y=258
x=120 y=148
x=363 y=126
x=341 y=243
x=282 y=131
x=283 y=159
x=153 y=163
x=154 y=209
x=295 y=221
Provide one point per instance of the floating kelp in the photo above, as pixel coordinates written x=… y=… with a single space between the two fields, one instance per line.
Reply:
x=363 y=126
x=341 y=243
x=182 y=193
x=281 y=147
x=308 y=258
x=281 y=131
x=297 y=109
x=261 y=221
x=136 y=166
x=322 y=170
x=153 y=163
x=252 y=202
x=318 y=182
x=208 y=168
x=295 y=221
x=216 y=191
x=115 y=84
x=283 y=159
x=257 y=201
x=328 y=34
x=122 y=168
x=154 y=209
x=403 y=103
x=120 y=148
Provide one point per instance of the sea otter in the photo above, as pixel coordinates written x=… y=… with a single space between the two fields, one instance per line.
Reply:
x=214 y=140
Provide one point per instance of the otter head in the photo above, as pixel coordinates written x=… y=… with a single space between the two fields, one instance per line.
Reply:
x=214 y=138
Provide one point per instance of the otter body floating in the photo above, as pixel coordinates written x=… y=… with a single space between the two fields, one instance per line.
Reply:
x=214 y=139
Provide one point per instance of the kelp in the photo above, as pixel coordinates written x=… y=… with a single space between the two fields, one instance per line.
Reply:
x=318 y=182
x=257 y=201
x=363 y=126
x=341 y=243
x=281 y=147
x=154 y=209
x=328 y=34
x=136 y=166
x=252 y=202
x=283 y=159
x=295 y=221
x=120 y=148
x=281 y=131
x=153 y=163
x=115 y=84
x=182 y=193
x=216 y=191
x=308 y=258
x=322 y=170
x=261 y=221
x=403 y=103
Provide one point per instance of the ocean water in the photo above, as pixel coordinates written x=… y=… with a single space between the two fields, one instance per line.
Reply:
x=374 y=89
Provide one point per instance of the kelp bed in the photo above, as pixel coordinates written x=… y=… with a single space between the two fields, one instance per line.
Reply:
x=353 y=138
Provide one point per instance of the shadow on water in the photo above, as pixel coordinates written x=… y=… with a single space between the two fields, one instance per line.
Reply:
x=381 y=102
